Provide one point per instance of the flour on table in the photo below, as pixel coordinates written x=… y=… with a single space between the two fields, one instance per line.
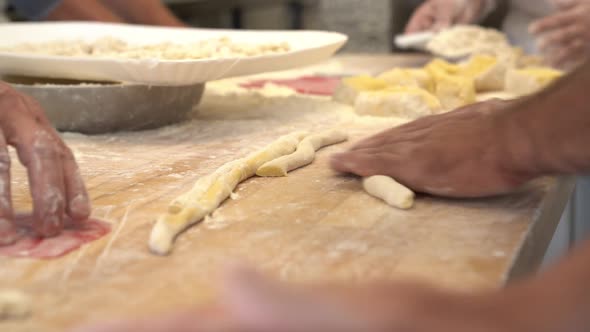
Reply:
x=304 y=155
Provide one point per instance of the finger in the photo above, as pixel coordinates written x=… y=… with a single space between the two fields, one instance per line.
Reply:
x=77 y=201
x=29 y=132
x=42 y=156
x=421 y=20
x=556 y=21
x=444 y=16
x=564 y=4
x=8 y=231
x=471 y=13
x=574 y=52
x=78 y=204
x=363 y=164
x=371 y=142
x=9 y=234
x=560 y=37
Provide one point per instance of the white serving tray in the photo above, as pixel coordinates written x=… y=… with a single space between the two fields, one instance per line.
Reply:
x=307 y=47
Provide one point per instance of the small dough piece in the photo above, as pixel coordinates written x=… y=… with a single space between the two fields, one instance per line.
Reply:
x=14 y=304
x=488 y=72
x=405 y=102
x=389 y=190
x=520 y=82
x=452 y=89
x=304 y=155
x=413 y=77
x=350 y=88
x=209 y=192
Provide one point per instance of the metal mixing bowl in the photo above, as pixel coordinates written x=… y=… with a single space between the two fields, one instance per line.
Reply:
x=101 y=107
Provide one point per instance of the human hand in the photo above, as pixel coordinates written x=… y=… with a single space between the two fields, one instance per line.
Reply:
x=565 y=36
x=252 y=303
x=57 y=188
x=439 y=14
x=471 y=152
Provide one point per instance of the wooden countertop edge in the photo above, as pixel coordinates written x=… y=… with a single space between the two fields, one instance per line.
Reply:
x=537 y=240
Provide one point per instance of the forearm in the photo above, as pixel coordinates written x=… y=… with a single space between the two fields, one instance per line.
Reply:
x=150 y=12
x=550 y=131
x=87 y=10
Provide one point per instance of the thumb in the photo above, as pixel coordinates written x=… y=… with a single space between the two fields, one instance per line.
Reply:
x=363 y=163
x=470 y=13
x=444 y=14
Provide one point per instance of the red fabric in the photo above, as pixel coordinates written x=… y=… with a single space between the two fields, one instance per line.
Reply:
x=70 y=239
x=313 y=85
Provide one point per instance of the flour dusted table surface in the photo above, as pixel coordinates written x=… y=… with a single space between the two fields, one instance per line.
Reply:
x=311 y=225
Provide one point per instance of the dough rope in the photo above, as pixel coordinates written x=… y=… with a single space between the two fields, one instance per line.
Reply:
x=208 y=193
x=304 y=155
x=389 y=190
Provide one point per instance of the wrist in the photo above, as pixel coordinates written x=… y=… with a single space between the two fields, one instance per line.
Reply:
x=518 y=155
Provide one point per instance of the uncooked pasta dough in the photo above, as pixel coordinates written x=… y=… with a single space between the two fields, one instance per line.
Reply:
x=389 y=190
x=304 y=155
x=109 y=47
x=210 y=191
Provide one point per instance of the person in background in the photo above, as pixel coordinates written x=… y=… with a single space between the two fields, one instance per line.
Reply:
x=517 y=141
x=559 y=29
x=147 y=12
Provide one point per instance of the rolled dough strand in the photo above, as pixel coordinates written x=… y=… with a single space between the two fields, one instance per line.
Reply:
x=202 y=184
x=390 y=191
x=205 y=201
x=198 y=189
x=304 y=155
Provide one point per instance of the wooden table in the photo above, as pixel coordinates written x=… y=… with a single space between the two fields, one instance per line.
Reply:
x=312 y=225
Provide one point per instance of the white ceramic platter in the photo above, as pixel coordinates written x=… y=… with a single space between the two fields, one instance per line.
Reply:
x=307 y=47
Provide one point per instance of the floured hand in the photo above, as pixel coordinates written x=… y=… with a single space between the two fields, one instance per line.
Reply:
x=57 y=188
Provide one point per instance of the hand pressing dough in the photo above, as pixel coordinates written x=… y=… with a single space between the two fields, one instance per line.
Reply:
x=389 y=190
x=209 y=192
x=14 y=305
x=304 y=155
